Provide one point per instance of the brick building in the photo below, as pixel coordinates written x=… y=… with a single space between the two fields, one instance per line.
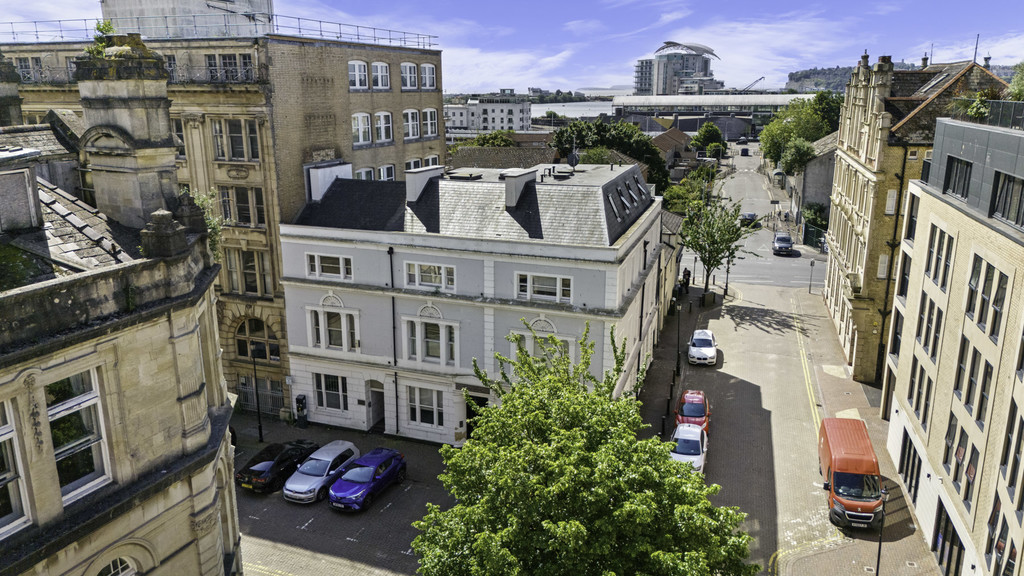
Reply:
x=258 y=112
x=955 y=361
x=885 y=133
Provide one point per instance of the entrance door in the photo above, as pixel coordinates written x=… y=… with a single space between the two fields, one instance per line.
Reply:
x=480 y=401
x=376 y=407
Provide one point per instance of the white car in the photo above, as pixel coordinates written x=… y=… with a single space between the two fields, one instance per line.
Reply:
x=703 y=349
x=690 y=444
x=314 y=477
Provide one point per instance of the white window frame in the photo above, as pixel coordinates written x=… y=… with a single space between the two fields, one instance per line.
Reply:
x=13 y=480
x=315 y=264
x=382 y=127
x=432 y=160
x=361 y=129
x=428 y=77
x=410 y=74
x=386 y=173
x=413 y=396
x=411 y=124
x=415 y=273
x=363 y=174
x=429 y=117
x=413 y=163
x=320 y=392
x=417 y=345
x=381 y=76
x=234 y=267
x=319 y=328
x=531 y=344
x=89 y=400
x=231 y=146
x=357 y=77
x=530 y=291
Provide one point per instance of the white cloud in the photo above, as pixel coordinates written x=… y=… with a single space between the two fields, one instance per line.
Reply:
x=475 y=70
x=584 y=27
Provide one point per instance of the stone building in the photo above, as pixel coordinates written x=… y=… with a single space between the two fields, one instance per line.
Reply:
x=114 y=448
x=389 y=307
x=955 y=361
x=885 y=132
x=257 y=116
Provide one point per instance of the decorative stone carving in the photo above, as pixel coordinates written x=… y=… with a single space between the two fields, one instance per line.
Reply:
x=430 y=311
x=238 y=172
x=193 y=119
x=34 y=413
x=163 y=236
x=204 y=521
x=542 y=325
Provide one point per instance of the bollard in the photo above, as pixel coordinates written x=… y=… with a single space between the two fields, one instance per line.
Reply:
x=663 y=426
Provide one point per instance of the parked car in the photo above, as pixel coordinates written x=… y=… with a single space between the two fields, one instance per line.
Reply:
x=782 y=244
x=690 y=444
x=366 y=478
x=703 y=349
x=317 y=473
x=694 y=408
x=268 y=469
x=742 y=140
x=747 y=218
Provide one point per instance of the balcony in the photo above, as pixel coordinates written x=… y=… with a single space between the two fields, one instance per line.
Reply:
x=211 y=26
x=1001 y=113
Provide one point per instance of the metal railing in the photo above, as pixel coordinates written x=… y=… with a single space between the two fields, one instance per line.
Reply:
x=1002 y=113
x=179 y=74
x=271 y=401
x=212 y=26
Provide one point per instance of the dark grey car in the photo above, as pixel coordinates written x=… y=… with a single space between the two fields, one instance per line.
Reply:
x=782 y=244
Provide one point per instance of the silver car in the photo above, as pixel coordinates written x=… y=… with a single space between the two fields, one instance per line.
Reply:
x=315 y=475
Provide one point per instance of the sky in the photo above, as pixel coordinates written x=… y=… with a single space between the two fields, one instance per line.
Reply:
x=573 y=44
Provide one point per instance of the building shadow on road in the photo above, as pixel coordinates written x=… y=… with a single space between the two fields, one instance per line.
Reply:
x=763 y=319
x=899 y=523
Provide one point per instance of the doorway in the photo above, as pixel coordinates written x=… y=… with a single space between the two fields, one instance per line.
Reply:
x=377 y=422
x=480 y=401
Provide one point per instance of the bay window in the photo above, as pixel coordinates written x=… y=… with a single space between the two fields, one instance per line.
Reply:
x=72 y=407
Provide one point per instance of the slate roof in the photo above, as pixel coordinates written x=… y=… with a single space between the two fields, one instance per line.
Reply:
x=826 y=144
x=671 y=222
x=567 y=210
x=670 y=139
x=37 y=136
x=503 y=158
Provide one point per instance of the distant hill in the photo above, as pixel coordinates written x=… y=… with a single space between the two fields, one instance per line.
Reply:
x=835 y=79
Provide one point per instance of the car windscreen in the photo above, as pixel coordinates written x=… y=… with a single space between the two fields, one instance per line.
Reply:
x=687 y=447
x=359 y=474
x=856 y=486
x=314 y=467
x=693 y=410
x=702 y=343
x=784 y=239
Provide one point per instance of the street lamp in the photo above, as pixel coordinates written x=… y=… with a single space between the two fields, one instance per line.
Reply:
x=679 y=322
x=810 y=278
x=881 y=526
x=255 y=388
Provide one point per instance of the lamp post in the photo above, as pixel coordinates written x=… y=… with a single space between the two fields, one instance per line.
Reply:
x=728 y=265
x=679 y=322
x=881 y=526
x=810 y=278
x=255 y=389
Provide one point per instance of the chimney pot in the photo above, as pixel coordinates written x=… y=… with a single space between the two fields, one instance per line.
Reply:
x=924 y=61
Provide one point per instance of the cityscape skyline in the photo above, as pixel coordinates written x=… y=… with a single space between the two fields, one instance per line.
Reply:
x=575 y=45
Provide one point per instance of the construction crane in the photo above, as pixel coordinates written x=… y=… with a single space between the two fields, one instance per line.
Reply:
x=751 y=85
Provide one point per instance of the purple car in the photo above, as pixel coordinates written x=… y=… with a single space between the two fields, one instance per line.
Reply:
x=367 y=477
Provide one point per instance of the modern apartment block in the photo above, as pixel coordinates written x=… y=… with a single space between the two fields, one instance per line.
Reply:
x=114 y=447
x=389 y=307
x=257 y=112
x=486 y=113
x=885 y=131
x=955 y=359
x=676 y=69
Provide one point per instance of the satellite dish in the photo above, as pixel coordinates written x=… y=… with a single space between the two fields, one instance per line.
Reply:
x=573 y=159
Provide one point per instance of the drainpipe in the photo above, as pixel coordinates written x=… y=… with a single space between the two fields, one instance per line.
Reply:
x=394 y=331
x=886 y=308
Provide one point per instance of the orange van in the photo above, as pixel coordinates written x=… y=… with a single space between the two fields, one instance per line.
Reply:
x=852 y=478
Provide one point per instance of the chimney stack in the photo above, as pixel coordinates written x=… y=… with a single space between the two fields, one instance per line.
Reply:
x=924 y=61
x=416 y=180
x=865 y=60
x=988 y=62
x=19 y=199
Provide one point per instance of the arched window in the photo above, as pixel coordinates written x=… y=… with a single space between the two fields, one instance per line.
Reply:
x=118 y=567
x=255 y=339
x=361 y=129
x=382 y=127
x=411 y=121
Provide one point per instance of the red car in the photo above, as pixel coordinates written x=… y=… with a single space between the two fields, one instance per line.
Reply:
x=694 y=408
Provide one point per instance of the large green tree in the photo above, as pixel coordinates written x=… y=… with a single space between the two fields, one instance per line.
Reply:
x=797 y=154
x=797 y=120
x=707 y=135
x=712 y=231
x=554 y=481
x=1016 y=89
x=828 y=105
x=622 y=137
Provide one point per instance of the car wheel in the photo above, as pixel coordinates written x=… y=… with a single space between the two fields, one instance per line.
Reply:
x=321 y=494
x=401 y=475
x=367 y=502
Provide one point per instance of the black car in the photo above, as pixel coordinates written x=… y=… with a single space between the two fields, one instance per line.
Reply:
x=747 y=218
x=268 y=470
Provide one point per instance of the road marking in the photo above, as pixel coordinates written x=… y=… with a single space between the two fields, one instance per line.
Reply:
x=834 y=536
x=303 y=527
x=261 y=569
x=808 y=383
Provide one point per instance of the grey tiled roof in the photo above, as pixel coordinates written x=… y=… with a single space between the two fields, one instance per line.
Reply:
x=38 y=136
x=826 y=144
x=574 y=210
x=671 y=222
x=503 y=158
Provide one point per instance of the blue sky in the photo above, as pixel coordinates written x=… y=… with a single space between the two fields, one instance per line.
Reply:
x=570 y=44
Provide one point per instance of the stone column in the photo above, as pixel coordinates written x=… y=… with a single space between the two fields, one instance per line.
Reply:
x=128 y=141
